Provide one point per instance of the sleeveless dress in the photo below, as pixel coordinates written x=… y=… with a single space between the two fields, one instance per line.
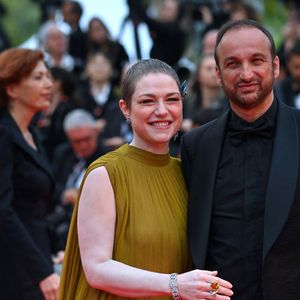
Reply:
x=150 y=233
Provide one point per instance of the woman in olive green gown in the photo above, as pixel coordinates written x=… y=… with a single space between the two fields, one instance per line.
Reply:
x=127 y=237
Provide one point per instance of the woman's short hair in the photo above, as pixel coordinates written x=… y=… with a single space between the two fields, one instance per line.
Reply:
x=15 y=65
x=139 y=70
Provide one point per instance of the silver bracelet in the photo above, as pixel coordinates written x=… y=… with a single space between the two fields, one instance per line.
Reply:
x=174 y=286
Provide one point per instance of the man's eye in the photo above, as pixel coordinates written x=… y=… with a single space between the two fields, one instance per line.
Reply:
x=231 y=64
x=258 y=61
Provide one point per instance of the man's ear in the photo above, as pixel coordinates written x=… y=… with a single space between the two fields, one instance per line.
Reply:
x=276 y=67
x=124 y=108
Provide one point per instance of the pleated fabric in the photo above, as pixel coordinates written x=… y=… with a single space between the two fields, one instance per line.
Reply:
x=151 y=205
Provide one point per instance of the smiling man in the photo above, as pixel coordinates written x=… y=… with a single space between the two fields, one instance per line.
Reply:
x=242 y=174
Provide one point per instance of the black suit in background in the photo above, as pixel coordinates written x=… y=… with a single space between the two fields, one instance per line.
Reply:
x=285 y=91
x=65 y=159
x=53 y=134
x=201 y=150
x=85 y=100
x=168 y=37
x=25 y=193
x=64 y=162
x=77 y=41
x=108 y=111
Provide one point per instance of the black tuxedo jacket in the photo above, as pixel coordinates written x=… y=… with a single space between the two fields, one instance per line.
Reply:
x=25 y=191
x=200 y=153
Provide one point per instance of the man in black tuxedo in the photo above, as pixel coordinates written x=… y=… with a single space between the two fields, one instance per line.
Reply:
x=242 y=174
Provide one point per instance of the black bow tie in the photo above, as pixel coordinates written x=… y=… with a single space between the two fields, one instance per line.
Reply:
x=238 y=130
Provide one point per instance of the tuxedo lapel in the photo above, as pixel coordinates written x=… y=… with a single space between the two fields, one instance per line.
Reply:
x=283 y=176
x=202 y=187
x=16 y=136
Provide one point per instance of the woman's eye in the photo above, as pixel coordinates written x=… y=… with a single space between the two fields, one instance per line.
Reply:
x=173 y=99
x=147 y=101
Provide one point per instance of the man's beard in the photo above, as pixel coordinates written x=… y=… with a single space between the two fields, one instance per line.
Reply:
x=251 y=100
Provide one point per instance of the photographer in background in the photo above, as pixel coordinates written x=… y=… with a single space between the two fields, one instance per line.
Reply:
x=291 y=33
x=72 y=12
x=48 y=9
x=201 y=17
x=168 y=36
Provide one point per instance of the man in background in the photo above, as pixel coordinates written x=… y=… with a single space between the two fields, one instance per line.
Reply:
x=70 y=161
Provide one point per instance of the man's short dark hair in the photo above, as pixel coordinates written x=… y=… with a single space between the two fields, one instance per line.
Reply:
x=246 y=23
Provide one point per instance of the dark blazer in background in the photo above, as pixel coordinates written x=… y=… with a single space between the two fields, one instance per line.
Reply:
x=201 y=150
x=63 y=162
x=25 y=192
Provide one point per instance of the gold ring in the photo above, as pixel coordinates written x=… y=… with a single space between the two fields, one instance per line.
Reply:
x=214 y=287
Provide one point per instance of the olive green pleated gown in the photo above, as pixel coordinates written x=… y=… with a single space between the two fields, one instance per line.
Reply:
x=151 y=204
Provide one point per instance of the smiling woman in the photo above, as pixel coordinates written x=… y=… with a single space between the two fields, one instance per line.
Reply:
x=155 y=112
x=129 y=222
x=26 y=181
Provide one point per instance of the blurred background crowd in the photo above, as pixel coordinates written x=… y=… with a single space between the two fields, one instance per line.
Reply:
x=87 y=63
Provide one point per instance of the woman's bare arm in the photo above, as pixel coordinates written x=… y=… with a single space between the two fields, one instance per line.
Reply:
x=96 y=227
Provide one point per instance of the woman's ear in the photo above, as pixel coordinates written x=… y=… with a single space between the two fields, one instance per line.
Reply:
x=124 y=108
x=11 y=91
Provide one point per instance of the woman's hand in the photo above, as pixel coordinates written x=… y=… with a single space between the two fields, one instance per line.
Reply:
x=49 y=287
x=196 y=284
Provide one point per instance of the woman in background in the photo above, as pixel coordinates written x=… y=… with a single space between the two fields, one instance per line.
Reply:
x=26 y=182
x=206 y=96
x=99 y=39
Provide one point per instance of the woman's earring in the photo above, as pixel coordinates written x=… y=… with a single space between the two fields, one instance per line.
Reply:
x=183 y=88
x=128 y=121
x=175 y=136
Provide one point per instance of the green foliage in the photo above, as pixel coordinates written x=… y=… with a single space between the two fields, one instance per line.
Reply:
x=21 y=20
x=275 y=17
